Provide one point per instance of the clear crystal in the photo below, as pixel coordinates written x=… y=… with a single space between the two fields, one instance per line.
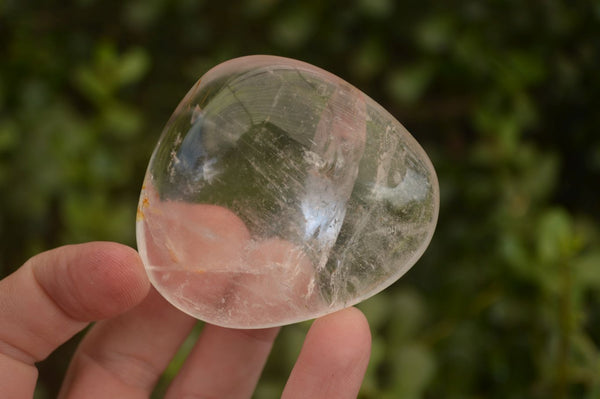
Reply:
x=279 y=193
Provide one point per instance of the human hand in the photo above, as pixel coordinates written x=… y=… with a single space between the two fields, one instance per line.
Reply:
x=57 y=293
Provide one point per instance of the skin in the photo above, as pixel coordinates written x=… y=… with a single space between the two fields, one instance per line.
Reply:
x=57 y=293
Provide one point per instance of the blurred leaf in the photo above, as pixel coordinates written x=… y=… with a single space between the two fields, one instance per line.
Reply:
x=133 y=66
x=9 y=135
x=415 y=368
x=90 y=85
x=376 y=8
x=121 y=121
x=587 y=267
x=293 y=27
x=376 y=310
x=407 y=85
x=143 y=14
x=556 y=238
x=256 y=8
x=369 y=59
x=110 y=71
x=411 y=311
x=435 y=32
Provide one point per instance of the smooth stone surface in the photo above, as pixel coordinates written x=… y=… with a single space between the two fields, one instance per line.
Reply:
x=279 y=193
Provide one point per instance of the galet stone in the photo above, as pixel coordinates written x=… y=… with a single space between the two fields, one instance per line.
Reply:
x=279 y=193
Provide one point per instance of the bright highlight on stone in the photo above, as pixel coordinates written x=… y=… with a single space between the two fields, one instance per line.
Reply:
x=279 y=193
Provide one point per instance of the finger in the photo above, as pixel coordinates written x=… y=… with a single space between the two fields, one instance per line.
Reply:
x=123 y=357
x=333 y=359
x=53 y=296
x=225 y=363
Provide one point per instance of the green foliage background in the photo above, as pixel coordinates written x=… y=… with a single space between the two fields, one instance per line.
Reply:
x=503 y=94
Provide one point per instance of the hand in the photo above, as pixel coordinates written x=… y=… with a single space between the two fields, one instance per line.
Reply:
x=57 y=293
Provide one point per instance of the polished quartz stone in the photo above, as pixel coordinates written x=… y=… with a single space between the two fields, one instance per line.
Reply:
x=279 y=193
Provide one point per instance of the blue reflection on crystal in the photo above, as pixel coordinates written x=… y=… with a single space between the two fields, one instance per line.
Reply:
x=192 y=159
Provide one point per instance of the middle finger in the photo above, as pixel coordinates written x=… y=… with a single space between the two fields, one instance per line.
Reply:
x=125 y=356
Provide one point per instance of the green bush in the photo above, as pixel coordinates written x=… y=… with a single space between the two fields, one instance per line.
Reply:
x=503 y=94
